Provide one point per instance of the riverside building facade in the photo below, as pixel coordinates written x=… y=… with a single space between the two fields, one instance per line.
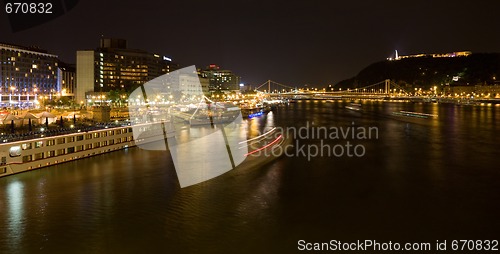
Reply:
x=114 y=66
x=26 y=73
x=221 y=80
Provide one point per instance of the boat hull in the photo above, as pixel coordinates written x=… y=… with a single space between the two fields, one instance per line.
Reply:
x=26 y=155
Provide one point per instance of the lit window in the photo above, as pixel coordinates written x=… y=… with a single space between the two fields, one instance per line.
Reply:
x=15 y=151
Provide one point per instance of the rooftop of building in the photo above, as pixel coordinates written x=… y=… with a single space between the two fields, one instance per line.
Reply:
x=119 y=46
x=26 y=48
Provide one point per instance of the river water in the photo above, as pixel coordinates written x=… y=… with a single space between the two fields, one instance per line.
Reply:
x=418 y=180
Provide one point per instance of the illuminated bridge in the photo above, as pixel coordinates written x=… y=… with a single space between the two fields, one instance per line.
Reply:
x=385 y=90
x=380 y=90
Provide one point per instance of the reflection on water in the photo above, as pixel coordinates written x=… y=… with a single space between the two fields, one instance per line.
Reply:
x=422 y=180
x=15 y=205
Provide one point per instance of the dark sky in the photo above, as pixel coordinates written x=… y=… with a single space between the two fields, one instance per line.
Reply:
x=291 y=42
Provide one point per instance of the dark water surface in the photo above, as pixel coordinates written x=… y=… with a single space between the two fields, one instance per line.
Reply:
x=422 y=180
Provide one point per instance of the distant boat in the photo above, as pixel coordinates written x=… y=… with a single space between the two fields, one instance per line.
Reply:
x=226 y=117
x=468 y=102
x=433 y=100
x=413 y=114
x=354 y=106
x=247 y=111
x=256 y=110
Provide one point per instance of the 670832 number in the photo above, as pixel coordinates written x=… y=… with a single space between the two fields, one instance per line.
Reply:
x=28 y=8
x=474 y=245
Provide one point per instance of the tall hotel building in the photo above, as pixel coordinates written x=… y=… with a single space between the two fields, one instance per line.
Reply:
x=25 y=74
x=113 y=66
x=67 y=79
x=221 y=80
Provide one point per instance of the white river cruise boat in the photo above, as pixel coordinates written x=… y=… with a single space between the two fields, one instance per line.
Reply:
x=29 y=154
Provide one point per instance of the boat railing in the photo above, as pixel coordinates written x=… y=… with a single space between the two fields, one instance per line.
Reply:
x=12 y=137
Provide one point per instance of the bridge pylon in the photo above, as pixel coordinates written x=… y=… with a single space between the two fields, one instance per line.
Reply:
x=387 y=89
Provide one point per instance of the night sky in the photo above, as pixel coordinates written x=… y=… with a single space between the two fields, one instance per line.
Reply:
x=291 y=42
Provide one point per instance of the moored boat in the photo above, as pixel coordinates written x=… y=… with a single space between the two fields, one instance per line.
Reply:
x=25 y=155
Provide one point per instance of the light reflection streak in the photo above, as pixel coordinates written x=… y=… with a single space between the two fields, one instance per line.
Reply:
x=264 y=147
x=16 y=211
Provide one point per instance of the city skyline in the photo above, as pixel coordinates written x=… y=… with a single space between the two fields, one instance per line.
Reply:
x=293 y=43
x=249 y=126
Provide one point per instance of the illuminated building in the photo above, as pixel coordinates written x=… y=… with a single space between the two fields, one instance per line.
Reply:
x=193 y=86
x=113 y=66
x=437 y=55
x=26 y=73
x=204 y=82
x=66 y=79
x=221 y=80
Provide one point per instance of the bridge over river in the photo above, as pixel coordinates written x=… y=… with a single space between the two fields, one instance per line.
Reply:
x=383 y=90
